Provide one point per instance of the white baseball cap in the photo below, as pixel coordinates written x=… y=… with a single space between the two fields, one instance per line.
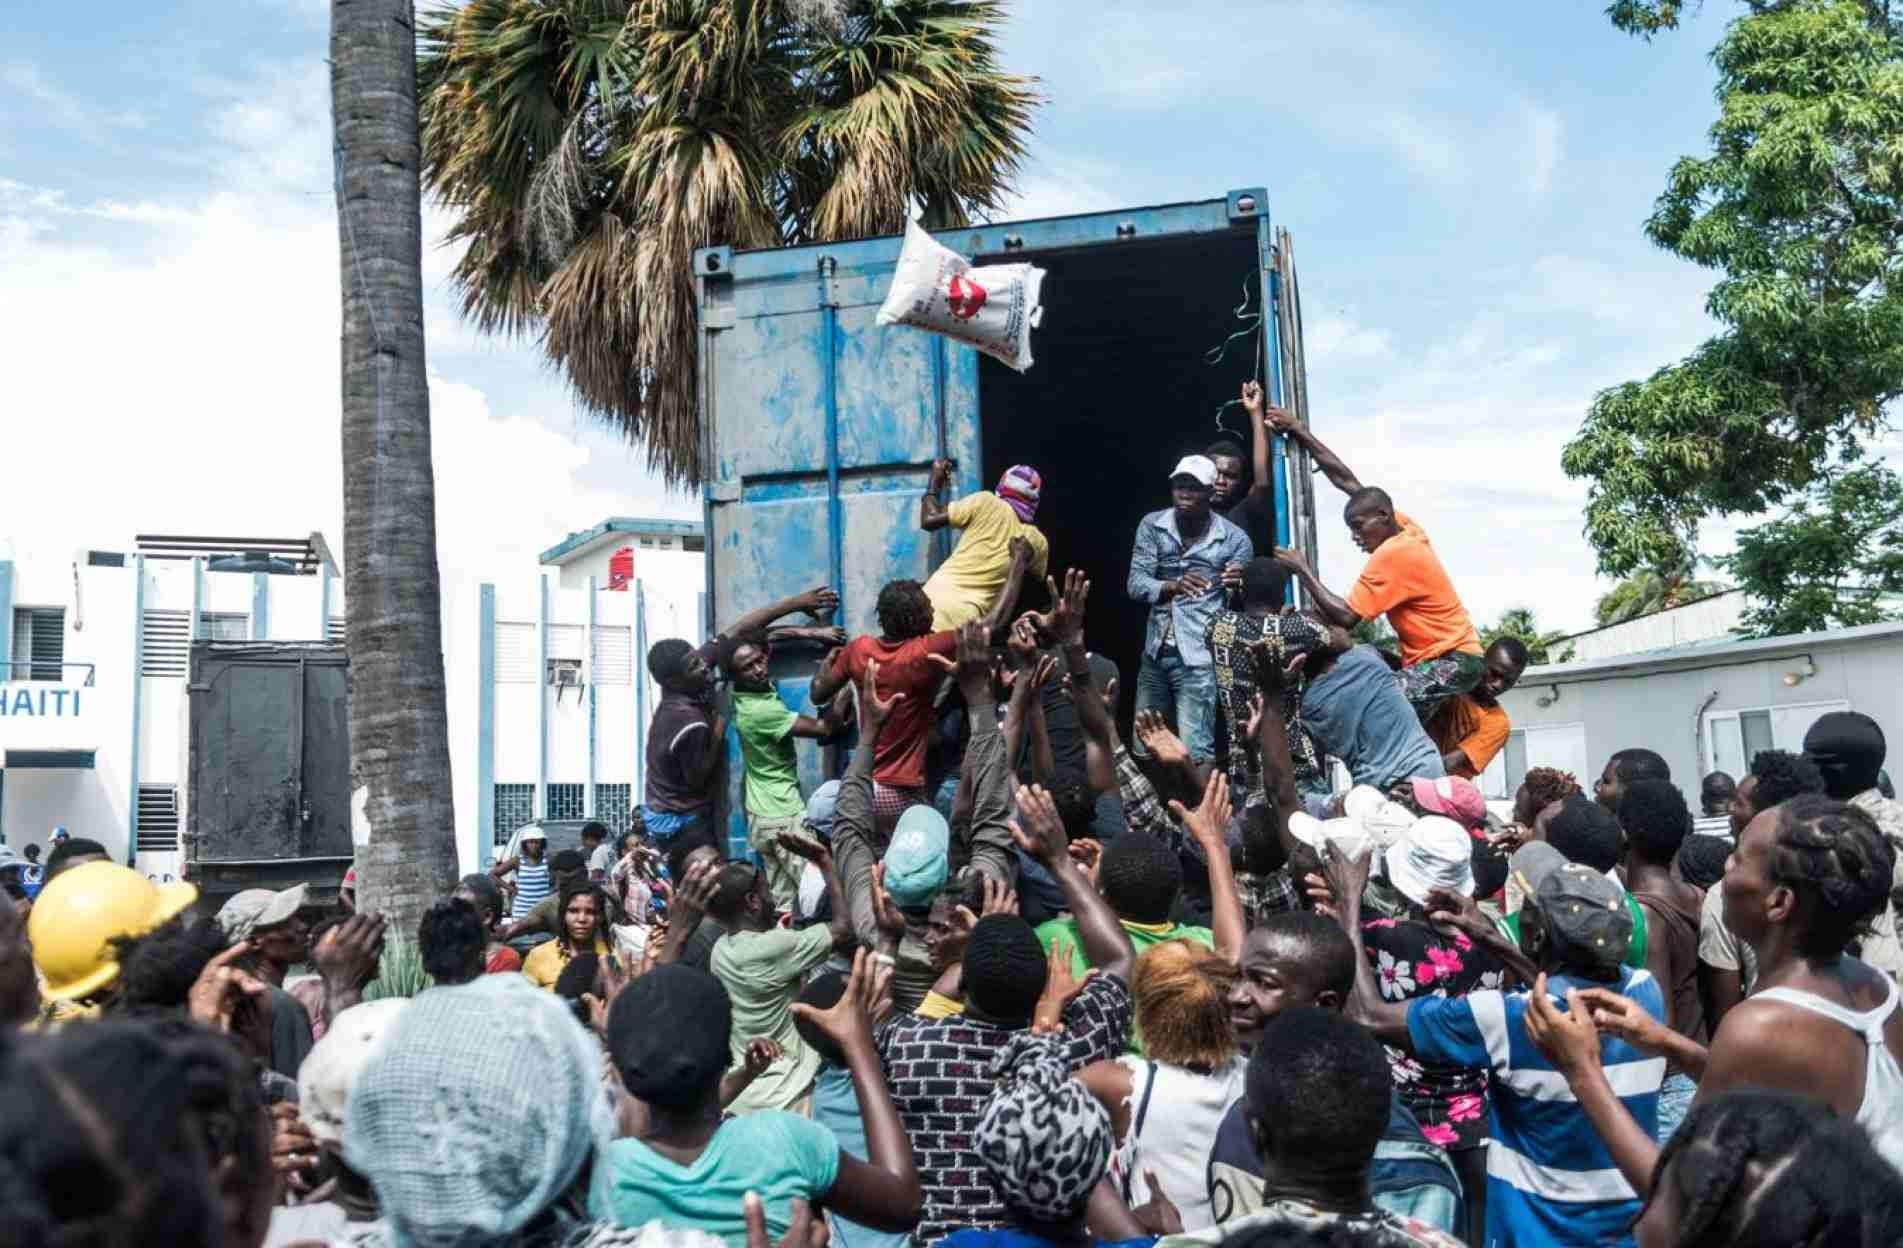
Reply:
x=1200 y=467
x=1381 y=818
x=1435 y=853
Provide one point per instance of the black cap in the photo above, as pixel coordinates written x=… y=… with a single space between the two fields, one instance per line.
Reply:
x=669 y=1033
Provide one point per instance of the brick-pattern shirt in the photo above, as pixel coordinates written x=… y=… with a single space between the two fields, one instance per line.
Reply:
x=939 y=1071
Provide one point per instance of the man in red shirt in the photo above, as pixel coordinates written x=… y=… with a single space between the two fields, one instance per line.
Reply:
x=903 y=651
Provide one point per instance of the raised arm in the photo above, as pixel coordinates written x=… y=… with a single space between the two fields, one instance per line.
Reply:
x=931 y=509
x=1253 y=405
x=999 y=617
x=1040 y=833
x=854 y=846
x=814 y=602
x=1570 y=1040
x=1209 y=825
x=882 y=1191
x=1347 y=880
x=691 y=895
x=987 y=768
x=1285 y=423
x=1332 y=606
x=1271 y=742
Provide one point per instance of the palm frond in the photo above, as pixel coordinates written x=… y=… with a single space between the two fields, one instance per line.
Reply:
x=588 y=147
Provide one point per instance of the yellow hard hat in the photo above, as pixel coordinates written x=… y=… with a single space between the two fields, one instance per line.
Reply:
x=75 y=918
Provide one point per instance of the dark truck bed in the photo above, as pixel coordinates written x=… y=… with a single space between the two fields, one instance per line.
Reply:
x=267 y=769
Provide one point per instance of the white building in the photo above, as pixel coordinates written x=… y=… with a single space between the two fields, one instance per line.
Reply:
x=563 y=696
x=92 y=709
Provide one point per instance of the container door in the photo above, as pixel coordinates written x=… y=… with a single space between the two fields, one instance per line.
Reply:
x=823 y=432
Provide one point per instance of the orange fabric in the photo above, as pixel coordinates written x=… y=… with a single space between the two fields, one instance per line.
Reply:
x=1477 y=731
x=1405 y=581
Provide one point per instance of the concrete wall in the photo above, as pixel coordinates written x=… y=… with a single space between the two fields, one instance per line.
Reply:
x=1669 y=703
x=104 y=609
x=666 y=562
x=609 y=706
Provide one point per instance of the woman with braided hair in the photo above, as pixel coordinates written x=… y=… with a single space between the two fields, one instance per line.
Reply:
x=1805 y=880
x=1756 y=1169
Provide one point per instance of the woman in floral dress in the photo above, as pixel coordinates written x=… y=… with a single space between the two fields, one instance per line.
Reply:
x=1413 y=957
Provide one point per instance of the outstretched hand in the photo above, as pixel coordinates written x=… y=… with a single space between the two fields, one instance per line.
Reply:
x=849 y=1021
x=348 y=955
x=1038 y=829
x=1568 y=1037
x=873 y=711
x=1209 y=822
x=221 y=988
x=1156 y=736
x=1061 y=986
x=1065 y=620
x=972 y=664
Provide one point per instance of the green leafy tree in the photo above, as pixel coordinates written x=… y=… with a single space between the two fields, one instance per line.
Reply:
x=1835 y=561
x=1652 y=589
x=1541 y=647
x=1799 y=208
x=587 y=147
x=1374 y=632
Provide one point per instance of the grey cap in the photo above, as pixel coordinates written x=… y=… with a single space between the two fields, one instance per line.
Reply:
x=1585 y=910
x=257 y=908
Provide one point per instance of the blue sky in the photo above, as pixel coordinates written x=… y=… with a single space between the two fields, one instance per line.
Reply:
x=1466 y=186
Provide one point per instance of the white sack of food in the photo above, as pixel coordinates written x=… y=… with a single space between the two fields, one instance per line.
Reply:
x=992 y=307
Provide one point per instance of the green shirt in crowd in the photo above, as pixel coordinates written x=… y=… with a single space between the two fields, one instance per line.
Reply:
x=1142 y=936
x=762 y=972
x=1635 y=952
x=765 y=726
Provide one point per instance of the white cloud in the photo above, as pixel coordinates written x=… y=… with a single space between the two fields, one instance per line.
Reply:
x=1336 y=339
x=63 y=109
x=1544 y=130
x=1423 y=144
x=178 y=360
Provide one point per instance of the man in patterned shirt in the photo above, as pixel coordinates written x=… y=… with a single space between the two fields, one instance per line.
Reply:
x=939 y=1069
x=1233 y=638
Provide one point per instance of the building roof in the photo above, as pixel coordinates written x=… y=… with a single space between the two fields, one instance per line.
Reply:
x=614 y=529
x=1708 y=654
x=309 y=554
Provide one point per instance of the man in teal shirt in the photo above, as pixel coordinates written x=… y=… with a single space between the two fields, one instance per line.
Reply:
x=767 y=729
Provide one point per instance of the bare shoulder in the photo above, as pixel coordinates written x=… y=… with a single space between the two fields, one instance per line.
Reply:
x=1774 y=1044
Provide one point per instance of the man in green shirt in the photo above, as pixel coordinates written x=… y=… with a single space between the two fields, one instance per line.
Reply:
x=767 y=728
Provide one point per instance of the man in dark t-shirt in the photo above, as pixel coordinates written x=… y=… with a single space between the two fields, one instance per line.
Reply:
x=684 y=737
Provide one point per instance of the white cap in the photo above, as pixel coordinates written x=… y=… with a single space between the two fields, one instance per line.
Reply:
x=531 y=832
x=1344 y=834
x=1435 y=853
x=1200 y=467
x=1382 y=819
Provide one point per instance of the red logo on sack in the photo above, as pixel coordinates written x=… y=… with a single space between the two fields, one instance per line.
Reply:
x=967 y=297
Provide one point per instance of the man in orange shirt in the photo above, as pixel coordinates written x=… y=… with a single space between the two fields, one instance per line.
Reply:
x=1403 y=579
x=1470 y=729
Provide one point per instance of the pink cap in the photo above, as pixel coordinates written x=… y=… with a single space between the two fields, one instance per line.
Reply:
x=1458 y=799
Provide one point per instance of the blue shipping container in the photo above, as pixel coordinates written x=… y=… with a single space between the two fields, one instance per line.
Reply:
x=820 y=426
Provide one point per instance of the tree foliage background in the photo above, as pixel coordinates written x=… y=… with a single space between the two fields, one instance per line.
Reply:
x=587 y=147
x=1542 y=646
x=1799 y=208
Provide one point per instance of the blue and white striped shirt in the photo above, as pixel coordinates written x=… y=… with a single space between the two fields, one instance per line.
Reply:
x=1550 y=1178
x=531 y=887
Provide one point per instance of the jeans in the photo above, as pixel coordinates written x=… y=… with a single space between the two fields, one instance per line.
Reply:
x=1186 y=695
x=1675 y=1101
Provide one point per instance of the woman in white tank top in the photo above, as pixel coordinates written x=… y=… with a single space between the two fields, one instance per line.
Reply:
x=1806 y=878
x=1166 y=1103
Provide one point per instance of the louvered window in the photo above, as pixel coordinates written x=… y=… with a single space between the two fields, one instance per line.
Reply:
x=39 y=643
x=158 y=818
x=514 y=806
x=515 y=654
x=224 y=626
x=166 y=643
x=614 y=655
x=334 y=628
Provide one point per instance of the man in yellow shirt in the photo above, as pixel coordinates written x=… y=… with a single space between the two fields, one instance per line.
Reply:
x=967 y=584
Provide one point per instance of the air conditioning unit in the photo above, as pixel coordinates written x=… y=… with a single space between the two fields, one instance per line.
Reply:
x=565 y=674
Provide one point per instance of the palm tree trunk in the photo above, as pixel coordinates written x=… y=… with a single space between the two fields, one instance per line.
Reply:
x=399 y=733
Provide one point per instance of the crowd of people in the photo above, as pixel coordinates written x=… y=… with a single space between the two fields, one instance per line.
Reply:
x=1014 y=979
